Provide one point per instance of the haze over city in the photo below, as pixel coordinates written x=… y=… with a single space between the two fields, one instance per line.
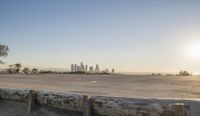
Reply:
x=131 y=36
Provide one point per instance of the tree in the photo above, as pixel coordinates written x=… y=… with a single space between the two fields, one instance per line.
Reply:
x=17 y=67
x=3 y=51
x=26 y=70
x=184 y=73
x=34 y=70
x=10 y=70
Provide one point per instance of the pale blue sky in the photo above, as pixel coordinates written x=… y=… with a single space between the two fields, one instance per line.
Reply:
x=129 y=35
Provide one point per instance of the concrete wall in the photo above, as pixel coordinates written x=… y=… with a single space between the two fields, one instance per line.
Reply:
x=116 y=106
x=41 y=103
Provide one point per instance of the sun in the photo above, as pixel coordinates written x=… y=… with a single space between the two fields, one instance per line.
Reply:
x=194 y=51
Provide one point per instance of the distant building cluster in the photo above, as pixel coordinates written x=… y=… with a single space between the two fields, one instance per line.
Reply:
x=88 y=69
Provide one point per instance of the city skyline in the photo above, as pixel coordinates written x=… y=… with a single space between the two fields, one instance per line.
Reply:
x=90 y=69
x=131 y=36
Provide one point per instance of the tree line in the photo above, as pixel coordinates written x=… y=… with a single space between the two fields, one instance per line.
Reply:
x=17 y=68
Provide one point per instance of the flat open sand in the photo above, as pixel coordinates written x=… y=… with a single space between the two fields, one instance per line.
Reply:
x=108 y=85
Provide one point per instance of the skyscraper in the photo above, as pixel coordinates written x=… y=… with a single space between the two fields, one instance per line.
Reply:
x=97 y=70
x=90 y=69
x=81 y=67
x=75 y=68
x=86 y=68
x=72 y=68
x=78 y=68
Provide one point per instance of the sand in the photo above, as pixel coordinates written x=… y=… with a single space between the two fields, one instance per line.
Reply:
x=136 y=86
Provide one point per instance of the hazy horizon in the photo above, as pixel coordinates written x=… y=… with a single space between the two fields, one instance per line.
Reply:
x=130 y=36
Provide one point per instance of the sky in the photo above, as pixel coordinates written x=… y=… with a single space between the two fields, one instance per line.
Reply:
x=128 y=35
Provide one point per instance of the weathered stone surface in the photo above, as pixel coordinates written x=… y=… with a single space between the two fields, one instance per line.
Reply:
x=114 y=106
x=60 y=100
x=101 y=105
x=14 y=94
x=13 y=108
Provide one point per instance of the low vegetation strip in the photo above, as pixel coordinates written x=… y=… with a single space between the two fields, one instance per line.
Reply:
x=100 y=105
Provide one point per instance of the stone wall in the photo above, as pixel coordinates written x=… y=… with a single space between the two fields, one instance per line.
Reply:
x=16 y=95
x=60 y=100
x=116 y=106
x=96 y=105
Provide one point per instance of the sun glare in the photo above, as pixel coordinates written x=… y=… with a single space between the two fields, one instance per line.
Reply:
x=194 y=51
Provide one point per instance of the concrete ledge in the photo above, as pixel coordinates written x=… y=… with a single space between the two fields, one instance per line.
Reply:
x=14 y=94
x=60 y=100
x=97 y=105
x=13 y=108
x=116 y=106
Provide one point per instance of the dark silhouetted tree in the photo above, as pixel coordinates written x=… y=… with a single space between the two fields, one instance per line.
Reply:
x=184 y=73
x=34 y=70
x=3 y=51
x=26 y=70
x=11 y=69
x=17 y=67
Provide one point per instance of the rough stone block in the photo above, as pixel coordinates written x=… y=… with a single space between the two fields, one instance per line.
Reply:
x=14 y=94
x=60 y=100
